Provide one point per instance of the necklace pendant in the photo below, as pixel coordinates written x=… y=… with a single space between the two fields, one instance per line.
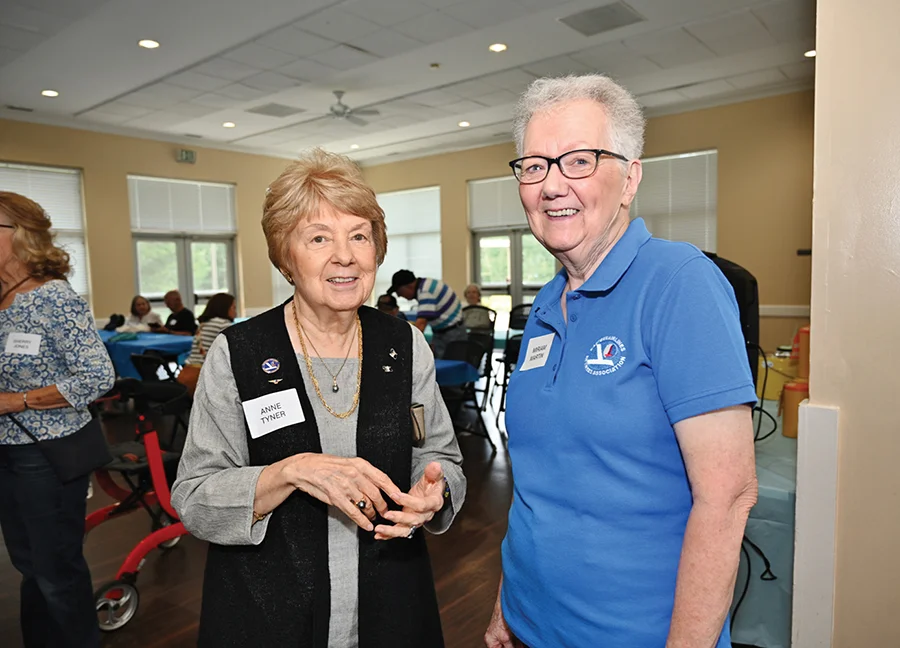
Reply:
x=334 y=386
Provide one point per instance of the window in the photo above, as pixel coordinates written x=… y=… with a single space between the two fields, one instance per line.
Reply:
x=184 y=239
x=510 y=265
x=58 y=191
x=413 y=221
x=677 y=198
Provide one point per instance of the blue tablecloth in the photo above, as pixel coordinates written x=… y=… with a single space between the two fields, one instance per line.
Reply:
x=764 y=618
x=454 y=372
x=499 y=338
x=120 y=352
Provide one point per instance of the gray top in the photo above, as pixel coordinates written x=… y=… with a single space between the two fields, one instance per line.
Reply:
x=215 y=489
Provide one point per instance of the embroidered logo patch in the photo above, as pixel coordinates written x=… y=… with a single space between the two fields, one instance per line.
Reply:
x=605 y=356
x=271 y=365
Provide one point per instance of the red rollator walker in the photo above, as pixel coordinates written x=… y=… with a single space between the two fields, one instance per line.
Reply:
x=145 y=466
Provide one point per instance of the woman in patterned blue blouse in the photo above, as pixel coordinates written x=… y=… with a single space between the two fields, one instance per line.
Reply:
x=52 y=365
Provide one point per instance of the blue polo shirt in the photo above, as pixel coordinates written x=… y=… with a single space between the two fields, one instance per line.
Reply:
x=601 y=496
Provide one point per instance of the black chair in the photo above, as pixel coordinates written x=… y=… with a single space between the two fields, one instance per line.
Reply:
x=458 y=396
x=149 y=363
x=509 y=361
x=479 y=319
x=486 y=341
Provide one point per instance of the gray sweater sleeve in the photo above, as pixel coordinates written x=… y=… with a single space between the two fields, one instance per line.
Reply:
x=440 y=439
x=215 y=488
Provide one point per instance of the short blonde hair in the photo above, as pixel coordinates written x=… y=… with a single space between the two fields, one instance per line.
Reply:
x=318 y=178
x=32 y=240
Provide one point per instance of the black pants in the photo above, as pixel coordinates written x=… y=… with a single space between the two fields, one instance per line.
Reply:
x=43 y=526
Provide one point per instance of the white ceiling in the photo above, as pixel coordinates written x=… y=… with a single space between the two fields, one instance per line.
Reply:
x=220 y=58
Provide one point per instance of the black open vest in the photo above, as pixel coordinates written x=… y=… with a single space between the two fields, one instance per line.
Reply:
x=277 y=594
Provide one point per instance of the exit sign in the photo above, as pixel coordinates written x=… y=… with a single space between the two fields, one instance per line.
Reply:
x=186 y=155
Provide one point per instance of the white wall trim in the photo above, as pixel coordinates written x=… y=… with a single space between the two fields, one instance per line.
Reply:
x=784 y=310
x=814 y=526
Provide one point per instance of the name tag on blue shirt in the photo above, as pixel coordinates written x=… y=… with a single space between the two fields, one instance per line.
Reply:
x=25 y=343
x=273 y=412
x=537 y=352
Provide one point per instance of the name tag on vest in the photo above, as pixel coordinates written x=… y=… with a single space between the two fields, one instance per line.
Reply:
x=537 y=352
x=25 y=343
x=273 y=412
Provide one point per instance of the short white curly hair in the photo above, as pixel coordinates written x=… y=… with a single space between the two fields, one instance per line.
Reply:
x=626 y=119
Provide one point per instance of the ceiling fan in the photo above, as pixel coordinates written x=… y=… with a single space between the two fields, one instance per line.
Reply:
x=340 y=110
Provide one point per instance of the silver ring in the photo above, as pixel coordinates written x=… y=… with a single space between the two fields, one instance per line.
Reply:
x=412 y=532
x=361 y=505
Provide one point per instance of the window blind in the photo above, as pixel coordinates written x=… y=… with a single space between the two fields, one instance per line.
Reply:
x=58 y=191
x=494 y=203
x=161 y=205
x=677 y=198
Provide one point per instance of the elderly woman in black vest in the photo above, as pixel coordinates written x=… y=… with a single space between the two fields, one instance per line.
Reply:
x=302 y=467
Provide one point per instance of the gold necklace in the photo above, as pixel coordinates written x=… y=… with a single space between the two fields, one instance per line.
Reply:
x=312 y=375
x=334 y=385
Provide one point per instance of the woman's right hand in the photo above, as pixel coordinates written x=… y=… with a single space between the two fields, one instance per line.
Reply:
x=342 y=482
x=498 y=634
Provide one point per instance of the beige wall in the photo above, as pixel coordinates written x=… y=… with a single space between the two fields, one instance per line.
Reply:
x=856 y=305
x=106 y=160
x=764 y=197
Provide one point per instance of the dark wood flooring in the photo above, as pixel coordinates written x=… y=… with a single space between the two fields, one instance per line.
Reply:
x=466 y=563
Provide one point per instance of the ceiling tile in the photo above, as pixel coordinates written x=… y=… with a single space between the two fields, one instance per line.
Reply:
x=259 y=56
x=225 y=69
x=158 y=121
x=433 y=98
x=732 y=34
x=557 y=66
x=295 y=41
x=343 y=57
x=124 y=109
x=148 y=99
x=32 y=19
x=480 y=14
x=242 y=92
x=338 y=25
x=173 y=92
x=459 y=108
x=386 y=43
x=664 y=98
x=432 y=27
x=268 y=139
x=386 y=12
x=19 y=39
x=103 y=117
x=800 y=70
x=615 y=60
x=789 y=21
x=191 y=79
x=192 y=110
x=707 y=89
x=498 y=98
x=8 y=55
x=515 y=80
x=215 y=101
x=270 y=81
x=669 y=49
x=308 y=70
x=757 y=79
x=471 y=89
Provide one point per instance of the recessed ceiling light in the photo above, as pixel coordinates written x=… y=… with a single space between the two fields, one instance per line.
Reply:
x=498 y=47
x=148 y=44
x=810 y=54
x=464 y=124
x=50 y=93
x=228 y=125
x=354 y=146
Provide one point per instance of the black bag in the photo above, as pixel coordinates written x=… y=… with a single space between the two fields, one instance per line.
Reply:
x=74 y=455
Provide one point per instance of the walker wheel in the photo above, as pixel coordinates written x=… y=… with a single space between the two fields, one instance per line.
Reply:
x=116 y=603
x=166 y=521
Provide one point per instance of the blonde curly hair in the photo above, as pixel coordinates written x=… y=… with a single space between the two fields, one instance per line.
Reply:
x=32 y=241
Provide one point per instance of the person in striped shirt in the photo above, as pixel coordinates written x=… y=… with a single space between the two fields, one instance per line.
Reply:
x=439 y=307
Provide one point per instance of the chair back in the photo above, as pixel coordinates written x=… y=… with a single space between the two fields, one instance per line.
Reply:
x=479 y=318
x=148 y=365
x=465 y=350
x=511 y=352
x=518 y=317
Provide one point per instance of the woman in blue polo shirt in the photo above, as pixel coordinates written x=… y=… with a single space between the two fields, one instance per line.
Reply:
x=629 y=428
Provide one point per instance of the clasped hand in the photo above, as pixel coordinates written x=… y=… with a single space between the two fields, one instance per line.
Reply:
x=347 y=483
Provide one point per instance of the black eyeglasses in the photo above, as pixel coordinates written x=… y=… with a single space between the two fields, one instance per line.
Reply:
x=573 y=165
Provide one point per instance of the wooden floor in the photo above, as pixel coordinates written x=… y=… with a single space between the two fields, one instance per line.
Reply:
x=466 y=564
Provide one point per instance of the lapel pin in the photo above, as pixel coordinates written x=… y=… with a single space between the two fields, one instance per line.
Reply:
x=271 y=365
x=393 y=354
x=387 y=368
x=276 y=381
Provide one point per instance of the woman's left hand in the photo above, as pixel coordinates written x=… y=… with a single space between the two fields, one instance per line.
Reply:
x=419 y=505
x=11 y=403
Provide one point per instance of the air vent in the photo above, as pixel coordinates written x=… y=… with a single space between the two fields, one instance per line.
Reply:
x=193 y=135
x=602 y=19
x=275 y=110
x=19 y=108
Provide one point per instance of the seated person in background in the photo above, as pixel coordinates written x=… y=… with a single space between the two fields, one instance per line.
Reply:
x=218 y=315
x=141 y=314
x=388 y=304
x=439 y=307
x=181 y=321
x=472 y=295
